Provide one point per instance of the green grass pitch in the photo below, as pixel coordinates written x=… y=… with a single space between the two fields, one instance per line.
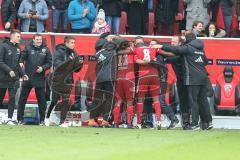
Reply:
x=55 y=143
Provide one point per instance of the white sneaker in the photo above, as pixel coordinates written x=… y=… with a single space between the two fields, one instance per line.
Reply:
x=47 y=122
x=158 y=125
x=10 y=122
x=138 y=126
x=64 y=125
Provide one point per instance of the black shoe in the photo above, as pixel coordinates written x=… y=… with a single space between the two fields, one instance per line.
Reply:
x=21 y=123
x=186 y=126
x=210 y=126
x=42 y=123
x=173 y=124
x=115 y=126
x=203 y=125
x=195 y=127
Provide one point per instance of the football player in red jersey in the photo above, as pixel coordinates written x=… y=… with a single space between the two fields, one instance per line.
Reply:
x=148 y=80
x=125 y=85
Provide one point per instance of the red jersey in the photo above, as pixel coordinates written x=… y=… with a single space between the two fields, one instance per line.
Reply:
x=126 y=66
x=147 y=54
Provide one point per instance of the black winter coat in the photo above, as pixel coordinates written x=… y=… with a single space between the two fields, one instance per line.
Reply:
x=62 y=55
x=34 y=57
x=8 y=11
x=107 y=66
x=193 y=61
x=112 y=7
x=166 y=11
x=9 y=61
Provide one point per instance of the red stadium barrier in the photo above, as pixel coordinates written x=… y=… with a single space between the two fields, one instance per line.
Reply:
x=220 y=52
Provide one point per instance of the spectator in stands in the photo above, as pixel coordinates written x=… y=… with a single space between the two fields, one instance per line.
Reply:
x=10 y=71
x=222 y=13
x=33 y=13
x=137 y=16
x=196 y=11
x=165 y=16
x=8 y=13
x=101 y=26
x=81 y=14
x=213 y=31
x=198 y=29
x=112 y=9
x=59 y=12
x=37 y=59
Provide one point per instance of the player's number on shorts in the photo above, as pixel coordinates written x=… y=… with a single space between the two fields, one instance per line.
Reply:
x=146 y=53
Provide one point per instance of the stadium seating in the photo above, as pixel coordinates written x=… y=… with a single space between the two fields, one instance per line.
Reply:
x=227 y=91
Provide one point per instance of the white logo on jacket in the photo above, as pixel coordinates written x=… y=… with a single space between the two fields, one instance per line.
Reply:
x=199 y=60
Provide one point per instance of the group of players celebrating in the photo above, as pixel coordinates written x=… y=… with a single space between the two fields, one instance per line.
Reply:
x=138 y=75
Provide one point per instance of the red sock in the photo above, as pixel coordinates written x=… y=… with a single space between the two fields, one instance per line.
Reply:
x=157 y=108
x=116 y=114
x=129 y=114
x=139 y=113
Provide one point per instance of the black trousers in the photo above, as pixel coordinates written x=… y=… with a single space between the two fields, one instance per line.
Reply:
x=41 y=99
x=65 y=107
x=11 y=101
x=183 y=97
x=197 y=99
x=103 y=100
x=167 y=109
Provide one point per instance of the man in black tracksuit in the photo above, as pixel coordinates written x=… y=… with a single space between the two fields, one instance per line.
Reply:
x=8 y=13
x=176 y=62
x=64 y=52
x=105 y=78
x=10 y=70
x=37 y=59
x=195 y=78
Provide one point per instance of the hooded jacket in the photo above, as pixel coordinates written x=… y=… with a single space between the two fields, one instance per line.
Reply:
x=193 y=61
x=9 y=61
x=33 y=57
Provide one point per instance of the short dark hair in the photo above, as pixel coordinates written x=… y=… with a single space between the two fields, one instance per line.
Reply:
x=37 y=35
x=189 y=37
x=195 y=23
x=13 y=31
x=68 y=38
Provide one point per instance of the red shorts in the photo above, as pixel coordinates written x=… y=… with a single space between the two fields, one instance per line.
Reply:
x=148 y=84
x=125 y=89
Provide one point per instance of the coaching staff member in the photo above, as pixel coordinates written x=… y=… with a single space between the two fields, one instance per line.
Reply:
x=195 y=77
x=10 y=71
x=64 y=52
x=37 y=59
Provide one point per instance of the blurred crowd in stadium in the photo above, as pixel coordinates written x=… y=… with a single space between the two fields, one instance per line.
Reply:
x=207 y=18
